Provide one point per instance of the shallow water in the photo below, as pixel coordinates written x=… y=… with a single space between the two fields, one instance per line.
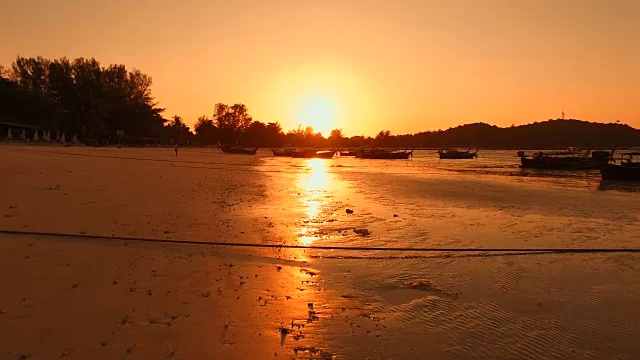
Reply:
x=469 y=305
x=385 y=304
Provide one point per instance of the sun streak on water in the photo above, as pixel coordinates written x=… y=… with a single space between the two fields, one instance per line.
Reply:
x=314 y=186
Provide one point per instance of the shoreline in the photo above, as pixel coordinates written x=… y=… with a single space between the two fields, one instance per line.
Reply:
x=111 y=298
x=268 y=149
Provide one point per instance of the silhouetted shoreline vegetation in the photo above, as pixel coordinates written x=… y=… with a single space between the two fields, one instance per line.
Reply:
x=114 y=105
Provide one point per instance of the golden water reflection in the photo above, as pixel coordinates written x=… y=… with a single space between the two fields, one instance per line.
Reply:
x=315 y=184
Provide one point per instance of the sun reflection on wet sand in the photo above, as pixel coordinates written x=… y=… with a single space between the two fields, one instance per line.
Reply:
x=315 y=185
x=307 y=236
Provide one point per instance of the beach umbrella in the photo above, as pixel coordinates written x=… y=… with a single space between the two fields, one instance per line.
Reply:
x=62 y=140
x=23 y=135
x=74 y=139
x=58 y=135
x=9 y=137
x=35 y=136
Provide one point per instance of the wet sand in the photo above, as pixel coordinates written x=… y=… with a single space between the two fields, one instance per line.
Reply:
x=111 y=298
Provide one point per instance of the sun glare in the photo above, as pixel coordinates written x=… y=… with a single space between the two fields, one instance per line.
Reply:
x=326 y=94
x=314 y=185
x=320 y=112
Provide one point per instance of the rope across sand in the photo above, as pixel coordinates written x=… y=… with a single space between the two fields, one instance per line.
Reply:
x=323 y=247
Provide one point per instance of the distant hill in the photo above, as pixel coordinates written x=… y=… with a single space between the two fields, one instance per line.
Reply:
x=550 y=134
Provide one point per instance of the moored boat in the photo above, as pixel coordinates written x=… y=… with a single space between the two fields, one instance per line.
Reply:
x=347 y=153
x=570 y=159
x=235 y=149
x=456 y=154
x=304 y=153
x=314 y=154
x=283 y=152
x=626 y=170
x=388 y=154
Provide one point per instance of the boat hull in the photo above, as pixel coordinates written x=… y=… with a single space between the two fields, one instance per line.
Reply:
x=289 y=152
x=238 y=150
x=303 y=154
x=324 y=154
x=313 y=154
x=620 y=173
x=385 y=156
x=458 y=156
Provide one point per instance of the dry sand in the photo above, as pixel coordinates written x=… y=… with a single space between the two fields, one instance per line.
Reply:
x=108 y=299
x=83 y=298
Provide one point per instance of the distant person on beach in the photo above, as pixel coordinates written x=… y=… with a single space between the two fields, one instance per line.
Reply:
x=176 y=149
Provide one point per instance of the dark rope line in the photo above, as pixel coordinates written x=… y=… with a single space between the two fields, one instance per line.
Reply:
x=238 y=167
x=185 y=164
x=320 y=247
x=130 y=158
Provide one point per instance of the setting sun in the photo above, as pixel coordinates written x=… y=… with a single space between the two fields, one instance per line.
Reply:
x=320 y=112
x=325 y=95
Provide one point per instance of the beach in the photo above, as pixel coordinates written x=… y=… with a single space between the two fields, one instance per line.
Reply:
x=115 y=290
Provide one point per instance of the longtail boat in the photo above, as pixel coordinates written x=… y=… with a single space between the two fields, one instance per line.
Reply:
x=235 y=149
x=283 y=152
x=388 y=154
x=627 y=170
x=456 y=154
x=322 y=154
x=570 y=159
x=347 y=153
x=304 y=153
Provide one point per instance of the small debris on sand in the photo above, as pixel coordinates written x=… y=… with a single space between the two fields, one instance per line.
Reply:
x=425 y=285
x=362 y=232
x=349 y=296
x=310 y=273
x=349 y=211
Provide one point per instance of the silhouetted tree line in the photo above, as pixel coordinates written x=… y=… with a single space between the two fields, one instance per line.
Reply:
x=100 y=103
x=233 y=125
x=550 y=134
x=79 y=97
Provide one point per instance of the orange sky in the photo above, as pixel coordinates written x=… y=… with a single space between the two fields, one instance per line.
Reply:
x=362 y=66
